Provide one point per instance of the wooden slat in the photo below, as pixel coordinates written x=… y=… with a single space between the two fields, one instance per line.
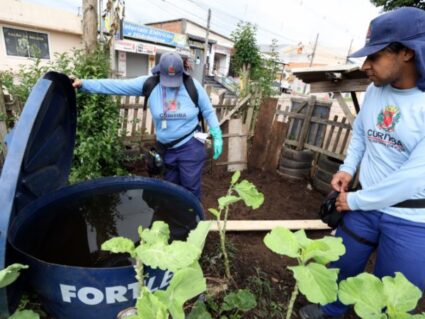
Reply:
x=338 y=135
x=143 y=123
x=135 y=118
x=323 y=151
x=306 y=123
x=266 y=225
x=125 y=117
x=331 y=132
x=344 y=107
x=357 y=85
x=237 y=107
x=344 y=141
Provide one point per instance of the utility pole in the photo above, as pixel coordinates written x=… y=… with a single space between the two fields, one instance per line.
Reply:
x=314 y=50
x=349 y=51
x=204 y=73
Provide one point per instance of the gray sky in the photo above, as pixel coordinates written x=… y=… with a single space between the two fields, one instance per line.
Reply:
x=288 y=21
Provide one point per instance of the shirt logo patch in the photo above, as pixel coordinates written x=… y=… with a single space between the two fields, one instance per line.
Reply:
x=388 y=118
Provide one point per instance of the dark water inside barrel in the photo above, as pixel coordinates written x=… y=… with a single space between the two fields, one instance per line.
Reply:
x=70 y=232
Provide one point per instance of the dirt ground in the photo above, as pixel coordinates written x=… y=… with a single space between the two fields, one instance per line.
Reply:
x=253 y=265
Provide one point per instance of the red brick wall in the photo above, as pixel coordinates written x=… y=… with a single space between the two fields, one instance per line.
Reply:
x=175 y=26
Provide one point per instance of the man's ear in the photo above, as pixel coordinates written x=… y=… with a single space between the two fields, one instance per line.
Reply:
x=408 y=55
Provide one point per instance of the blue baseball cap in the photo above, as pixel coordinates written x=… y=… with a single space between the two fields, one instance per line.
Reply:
x=170 y=70
x=404 y=25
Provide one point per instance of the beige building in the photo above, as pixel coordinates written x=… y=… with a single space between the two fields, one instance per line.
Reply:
x=28 y=29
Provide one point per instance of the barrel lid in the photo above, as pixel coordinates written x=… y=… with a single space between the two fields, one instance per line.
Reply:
x=40 y=151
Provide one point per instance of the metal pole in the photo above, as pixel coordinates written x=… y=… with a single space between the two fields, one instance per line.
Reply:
x=314 y=50
x=349 y=51
x=206 y=47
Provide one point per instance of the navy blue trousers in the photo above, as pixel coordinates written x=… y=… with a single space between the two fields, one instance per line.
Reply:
x=184 y=164
x=400 y=248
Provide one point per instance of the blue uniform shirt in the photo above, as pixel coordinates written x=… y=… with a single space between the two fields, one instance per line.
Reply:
x=388 y=142
x=172 y=105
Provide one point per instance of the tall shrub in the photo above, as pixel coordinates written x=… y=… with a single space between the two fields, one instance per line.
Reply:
x=98 y=149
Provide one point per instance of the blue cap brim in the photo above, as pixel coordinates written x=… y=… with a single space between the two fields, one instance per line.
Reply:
x=368 y=50
x=171 y=81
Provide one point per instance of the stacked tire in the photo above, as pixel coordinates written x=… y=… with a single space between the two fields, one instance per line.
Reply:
x=326 y=167
x=295 y=164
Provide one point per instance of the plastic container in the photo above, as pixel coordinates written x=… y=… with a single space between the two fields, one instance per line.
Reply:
x=57 y=229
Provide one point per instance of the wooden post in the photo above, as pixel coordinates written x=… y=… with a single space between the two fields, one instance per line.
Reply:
x=306 y=123
x=263 y=129
x=237 y=145
x=3 y=127
x=277 y=137
x=345 y=108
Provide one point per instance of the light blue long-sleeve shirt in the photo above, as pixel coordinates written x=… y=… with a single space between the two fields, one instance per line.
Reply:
x=177 y=110
x=389 y=143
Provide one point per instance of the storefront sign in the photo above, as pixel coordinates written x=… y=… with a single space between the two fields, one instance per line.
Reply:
x=135 y=47
x=142 y=32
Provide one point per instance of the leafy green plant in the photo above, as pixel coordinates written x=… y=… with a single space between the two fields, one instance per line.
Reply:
x=180 y=257
x=233 y=306
x=245 y=191
x=391 y=297
x=8 y=276
x=313 y=279
x=98 y=147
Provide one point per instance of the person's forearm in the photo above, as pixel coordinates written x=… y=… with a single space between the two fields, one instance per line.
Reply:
x=130 y=87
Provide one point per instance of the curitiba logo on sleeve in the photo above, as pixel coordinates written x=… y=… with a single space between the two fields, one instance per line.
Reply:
x=388 y=118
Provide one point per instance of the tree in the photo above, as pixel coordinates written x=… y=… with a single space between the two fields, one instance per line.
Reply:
x=392 y=4
x=246 y=58
x=90 y=25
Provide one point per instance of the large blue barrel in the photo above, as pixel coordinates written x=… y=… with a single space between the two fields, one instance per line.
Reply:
x=59 y=236
x=57 y=229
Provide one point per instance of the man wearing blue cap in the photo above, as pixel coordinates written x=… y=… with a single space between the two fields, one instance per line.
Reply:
x=175 y=116
x=387 y=215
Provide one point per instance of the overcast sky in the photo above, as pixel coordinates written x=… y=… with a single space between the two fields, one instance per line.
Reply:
x=289 y=21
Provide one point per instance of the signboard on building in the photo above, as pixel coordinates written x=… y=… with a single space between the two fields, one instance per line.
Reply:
x=27 y=44
x=122 y=64
x=138 y=31
x=135 y=47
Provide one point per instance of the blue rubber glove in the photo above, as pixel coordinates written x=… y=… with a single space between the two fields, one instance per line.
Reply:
x=218 y=141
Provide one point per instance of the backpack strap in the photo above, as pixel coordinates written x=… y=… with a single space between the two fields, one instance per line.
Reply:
x=189 y=84
x=148 y=87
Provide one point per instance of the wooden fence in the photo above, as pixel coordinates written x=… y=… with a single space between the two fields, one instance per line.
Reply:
x=137 y=125
x=315 y=132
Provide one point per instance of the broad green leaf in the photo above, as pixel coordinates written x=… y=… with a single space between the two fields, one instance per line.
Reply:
x=315 y=248
x=402 y=295
x=186 y=284
x=366 y=292
x=24 y=314
x=10 y=274
x=317 y=282
x=235 y=177
x=249 y=193
x=168 y=257
x=302 y=239
x=119 y=245
x=419 y=316
x=199 y=311
x=140 y=232
x=283 y=242
x=227 y=200
x=159 y=232
x=242 y=300
x=149 y=306
x=333 y=251
x=215 y=212
x=198 y=236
